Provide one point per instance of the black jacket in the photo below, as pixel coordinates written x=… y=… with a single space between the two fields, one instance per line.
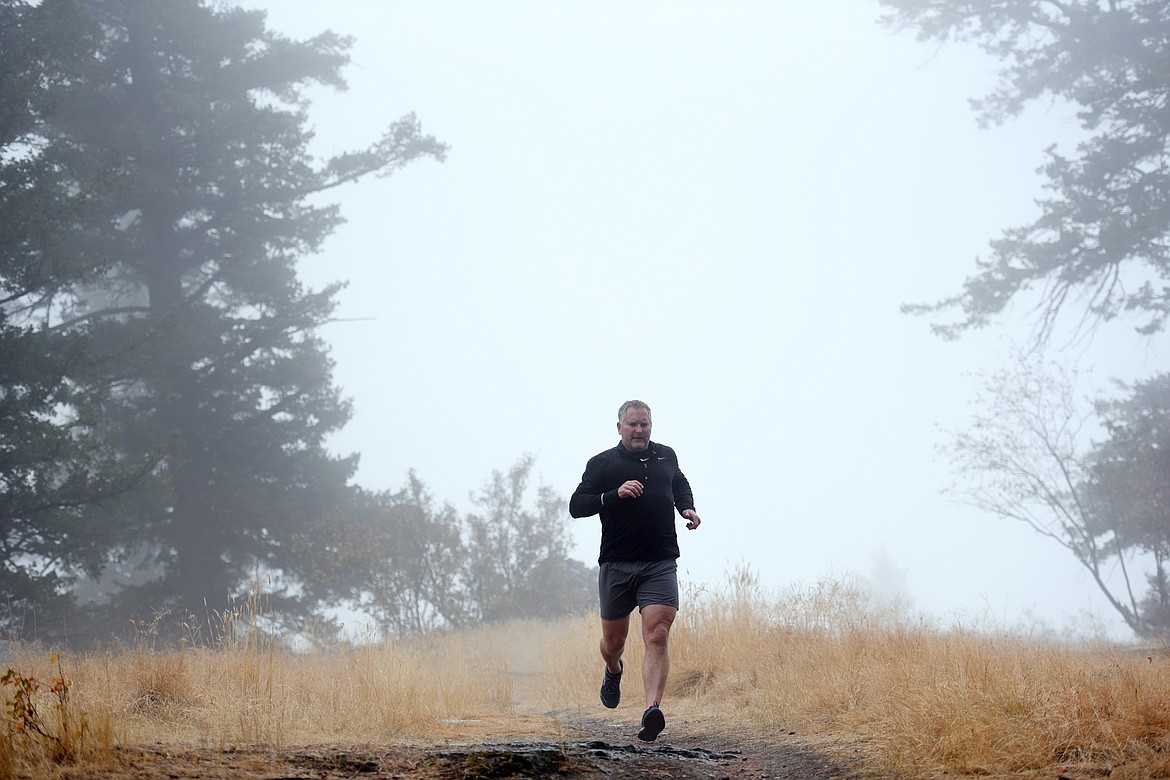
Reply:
x=634 y=529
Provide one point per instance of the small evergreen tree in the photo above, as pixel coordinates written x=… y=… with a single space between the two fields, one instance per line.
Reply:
x=1128 y=492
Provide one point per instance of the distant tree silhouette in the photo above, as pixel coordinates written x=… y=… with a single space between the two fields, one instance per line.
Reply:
x=1029 y=459
x=423 y=567
x=517 y=559
x=1128 y=494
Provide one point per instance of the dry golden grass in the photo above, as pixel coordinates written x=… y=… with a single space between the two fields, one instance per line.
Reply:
x=918 y=700
x=924 y=700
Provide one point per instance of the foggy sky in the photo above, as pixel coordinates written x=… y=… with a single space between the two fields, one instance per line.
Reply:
x=715 y=207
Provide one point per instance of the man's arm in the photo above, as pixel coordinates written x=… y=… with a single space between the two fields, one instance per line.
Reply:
x=684 y=499
x=591 y=495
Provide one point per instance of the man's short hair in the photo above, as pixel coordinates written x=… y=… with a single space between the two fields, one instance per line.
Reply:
x=628 y=405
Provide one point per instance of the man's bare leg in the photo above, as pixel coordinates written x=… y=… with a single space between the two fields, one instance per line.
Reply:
x=656 y=622
x=613 y=642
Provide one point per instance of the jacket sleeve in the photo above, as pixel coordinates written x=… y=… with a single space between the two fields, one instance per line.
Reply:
x=684 y=499
x=591 y=495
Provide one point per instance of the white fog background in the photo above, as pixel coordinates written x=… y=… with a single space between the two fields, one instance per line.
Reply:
x=718 y=208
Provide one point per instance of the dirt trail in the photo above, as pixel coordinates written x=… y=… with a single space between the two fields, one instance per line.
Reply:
x=529 y=742
x=586 y=748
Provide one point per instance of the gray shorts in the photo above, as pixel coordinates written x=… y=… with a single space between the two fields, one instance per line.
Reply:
x=623 y=585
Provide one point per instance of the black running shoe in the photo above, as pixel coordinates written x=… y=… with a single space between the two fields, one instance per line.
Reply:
x=611 y=686
x=653 y=722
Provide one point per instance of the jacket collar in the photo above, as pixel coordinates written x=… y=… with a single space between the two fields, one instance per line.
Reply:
x=651 y=451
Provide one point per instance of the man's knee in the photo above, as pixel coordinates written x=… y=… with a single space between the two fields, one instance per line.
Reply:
x=657 y=635
x=613 y=633
x=613 y=644
x=656 y=622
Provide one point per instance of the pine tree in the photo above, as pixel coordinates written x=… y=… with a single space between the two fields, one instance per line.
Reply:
x=53 y=464
x=183 y=144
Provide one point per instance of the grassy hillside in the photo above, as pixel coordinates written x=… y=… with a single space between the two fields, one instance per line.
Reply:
x=913 y=699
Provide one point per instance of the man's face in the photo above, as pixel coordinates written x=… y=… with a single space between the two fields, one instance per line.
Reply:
x=635 y=429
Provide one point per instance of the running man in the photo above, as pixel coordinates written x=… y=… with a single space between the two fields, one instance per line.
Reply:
x=636 y=488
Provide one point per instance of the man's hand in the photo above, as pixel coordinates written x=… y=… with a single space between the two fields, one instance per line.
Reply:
x=630 y=489
x=693 y=519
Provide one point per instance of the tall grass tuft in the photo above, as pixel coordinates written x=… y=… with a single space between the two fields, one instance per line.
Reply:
x=824 y=661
